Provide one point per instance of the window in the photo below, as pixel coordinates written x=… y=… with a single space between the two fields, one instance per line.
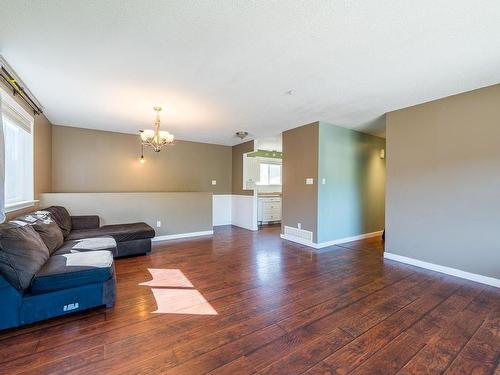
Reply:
x=270 y=174
x=18 y=140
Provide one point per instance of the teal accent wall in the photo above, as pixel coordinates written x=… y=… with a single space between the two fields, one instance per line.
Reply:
x=352 y=201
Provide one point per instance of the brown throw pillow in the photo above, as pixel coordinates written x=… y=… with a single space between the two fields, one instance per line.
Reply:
x=46 y=227
x=22 y=253
x=61 y=217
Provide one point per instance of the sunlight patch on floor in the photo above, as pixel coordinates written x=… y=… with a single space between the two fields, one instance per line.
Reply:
x=181 y=301
x=168 y=278
x=175 y=294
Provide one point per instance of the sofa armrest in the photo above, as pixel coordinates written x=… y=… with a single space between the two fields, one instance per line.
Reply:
x=85 y=222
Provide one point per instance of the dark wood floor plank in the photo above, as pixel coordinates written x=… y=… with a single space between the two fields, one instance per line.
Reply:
x=306 y=356
x=404 y=347
x=481 y=354
x=444 y=346
x=282 y=308
x=362 y=348
x=399 y=296
x=240 y=366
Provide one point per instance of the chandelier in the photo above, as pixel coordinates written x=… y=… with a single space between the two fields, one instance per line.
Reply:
x=157 y=138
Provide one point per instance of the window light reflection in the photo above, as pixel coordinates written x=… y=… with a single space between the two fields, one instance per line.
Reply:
x=175 y=294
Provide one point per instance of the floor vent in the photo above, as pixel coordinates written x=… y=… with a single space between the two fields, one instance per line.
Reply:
x=302 y=234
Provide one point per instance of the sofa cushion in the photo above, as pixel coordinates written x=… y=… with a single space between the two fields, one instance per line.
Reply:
x=46 y=227
x=120 y=232
x=88 y=244
x=84 y=222
x=61 y=217
x=22 y=253
x=64 y=271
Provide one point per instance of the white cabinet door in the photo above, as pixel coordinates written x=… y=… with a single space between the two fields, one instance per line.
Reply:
x=269 y=209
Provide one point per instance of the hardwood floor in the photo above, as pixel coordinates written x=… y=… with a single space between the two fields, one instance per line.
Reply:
x=280 y=308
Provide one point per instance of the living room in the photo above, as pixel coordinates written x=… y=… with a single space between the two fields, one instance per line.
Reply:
x=234 y=187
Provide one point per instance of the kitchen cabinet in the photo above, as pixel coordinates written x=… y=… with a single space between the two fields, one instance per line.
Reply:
x=269 y=209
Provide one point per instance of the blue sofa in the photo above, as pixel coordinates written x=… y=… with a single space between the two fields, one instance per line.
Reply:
x=53 y=264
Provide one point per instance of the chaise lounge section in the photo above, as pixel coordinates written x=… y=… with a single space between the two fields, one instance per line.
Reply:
x=131 y=239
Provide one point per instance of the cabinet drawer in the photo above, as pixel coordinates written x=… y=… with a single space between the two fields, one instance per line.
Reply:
x=271 y=207
x=274 y=217
x=277 y=199
x=273 y=203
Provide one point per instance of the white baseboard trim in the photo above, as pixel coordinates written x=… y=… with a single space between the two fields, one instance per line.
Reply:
x=245 y=227
x=443 y=269
x=299 y=241
x=350 y=239
x=331 y=243
x=182 y=235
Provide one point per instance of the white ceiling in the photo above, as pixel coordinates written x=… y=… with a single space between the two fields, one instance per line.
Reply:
x=227 y=65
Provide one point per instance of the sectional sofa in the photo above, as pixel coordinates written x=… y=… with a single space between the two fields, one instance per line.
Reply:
x=52 y=264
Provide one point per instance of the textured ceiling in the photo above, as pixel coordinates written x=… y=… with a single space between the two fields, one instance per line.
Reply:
x=222 y=66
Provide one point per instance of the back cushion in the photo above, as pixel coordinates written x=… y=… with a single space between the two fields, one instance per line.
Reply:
x=61 y=217
x=46 y=227
x=22 y=253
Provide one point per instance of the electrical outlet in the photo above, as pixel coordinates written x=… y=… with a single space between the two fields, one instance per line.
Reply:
x=214 y=182
x=299 y=225
x=323 y=181
x=158 y=224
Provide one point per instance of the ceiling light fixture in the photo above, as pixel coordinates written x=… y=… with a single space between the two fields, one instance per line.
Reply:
x=241 y=134
x=157 y=138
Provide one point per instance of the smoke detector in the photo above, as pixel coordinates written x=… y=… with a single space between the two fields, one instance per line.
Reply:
x=241 y=134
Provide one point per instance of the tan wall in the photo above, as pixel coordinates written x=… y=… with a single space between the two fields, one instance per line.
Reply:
x=300 y=161
x=178 y=212
x=443 y=182
x=86 y=160
x=237 y=156
x=42 y=139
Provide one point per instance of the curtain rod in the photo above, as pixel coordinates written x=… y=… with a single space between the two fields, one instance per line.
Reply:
x=19 y=90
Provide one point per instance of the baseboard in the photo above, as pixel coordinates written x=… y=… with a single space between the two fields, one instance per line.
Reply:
x=443 y=269
x=321 y=245
x=299 y=241
x=182 y=235
x=245 y=227
x=349 y=239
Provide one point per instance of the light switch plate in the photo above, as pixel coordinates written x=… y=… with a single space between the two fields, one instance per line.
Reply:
x=214 y=182
x=309 y=181
x=323 y=181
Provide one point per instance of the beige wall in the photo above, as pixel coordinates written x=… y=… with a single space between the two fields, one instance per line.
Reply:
x=237 y=156
x=178 y=212
x=42 y=144
x=300 y=161
x=443 y=182
x=86 y=160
